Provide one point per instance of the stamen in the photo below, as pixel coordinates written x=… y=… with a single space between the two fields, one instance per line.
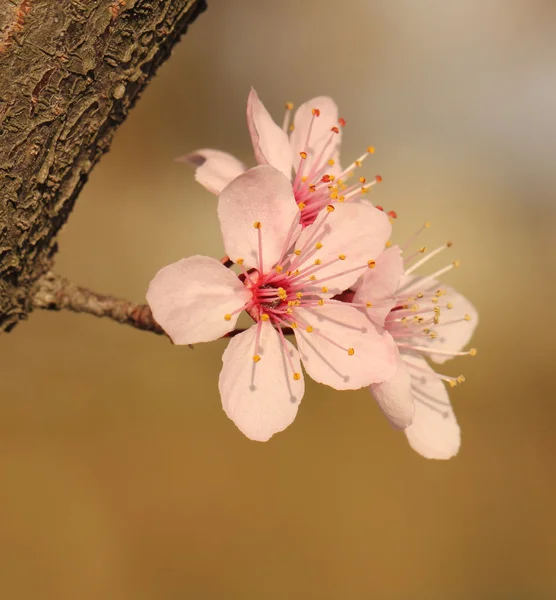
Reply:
x=287 y=115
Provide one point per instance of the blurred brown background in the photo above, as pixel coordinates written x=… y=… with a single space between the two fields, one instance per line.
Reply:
x=121 y=477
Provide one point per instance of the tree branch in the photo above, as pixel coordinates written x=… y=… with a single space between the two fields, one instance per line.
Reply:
x=53 y=292
x=70 y=70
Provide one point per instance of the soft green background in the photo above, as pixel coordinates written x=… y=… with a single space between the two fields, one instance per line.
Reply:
x=121 y=477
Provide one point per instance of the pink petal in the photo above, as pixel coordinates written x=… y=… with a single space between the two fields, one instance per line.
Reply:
x=320 y=132
x=215 y=169
x=451 y=337
x=355 y=230
x=262 y=195
x=190 y=298
x=395 y=398
x=260 y=398
x=434 y=432
x=378 y=286
x=270 y=144
x=375 y=355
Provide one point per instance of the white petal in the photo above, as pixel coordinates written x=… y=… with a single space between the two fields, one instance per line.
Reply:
x=320 y=133
x=261 y=398
x=395 y=398
x=191 y=297
x=434 y=432
x=215 y=169
x=263 y=195
x=270 y=144
x=375 y=353
x=355 y=230
x=378 y=286
x=451 y=337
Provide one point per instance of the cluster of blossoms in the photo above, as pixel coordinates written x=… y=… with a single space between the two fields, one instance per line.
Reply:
x=314 y=260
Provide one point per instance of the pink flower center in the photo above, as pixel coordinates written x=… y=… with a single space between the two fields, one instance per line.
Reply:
x=324 y=181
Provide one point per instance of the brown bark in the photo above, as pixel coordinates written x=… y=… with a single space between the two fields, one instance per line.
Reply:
x=70 y=70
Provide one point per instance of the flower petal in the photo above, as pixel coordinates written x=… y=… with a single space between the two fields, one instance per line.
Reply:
x=456 y=324
x=395 y=398
x=262 y=195
x=215 y=169
x=262 y=397
x=320 y=132
x=378 y=286
x=374 y=357
x=270 y=144
x=355 y=230
x=190 y=298
x=434 y=432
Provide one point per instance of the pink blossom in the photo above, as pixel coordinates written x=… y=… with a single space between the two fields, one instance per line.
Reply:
x=426 y=319
x=288 y=278
x=309 y=148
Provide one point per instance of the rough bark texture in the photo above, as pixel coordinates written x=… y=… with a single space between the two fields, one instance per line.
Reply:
x=69 y=72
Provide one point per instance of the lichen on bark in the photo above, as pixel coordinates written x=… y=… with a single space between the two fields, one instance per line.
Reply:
x=70 y=71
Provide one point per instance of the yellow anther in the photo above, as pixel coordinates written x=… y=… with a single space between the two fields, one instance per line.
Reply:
x=297 y=252
x=312 y=278
x=297 y=272
x=334 y=195
x=460 y=378
x=422 y=249
x=436 y=319
x=473 y=352
x=433 y=335
x=369 y=304
x=331 y=162
x=357 y=163
x=282 y=294
x=289 y=105
x=448 y=244
x=452 y=383
x=293 y=325
x=331 y=177
x=257 y=224
x=330 y=208
x=297 y=376
x=318 y=261
x=351 y=351
x=362 y=179
x=427 y=224
x=388 y=244
x=227 y=317
x=426 y=331
x=239 y=261
x=256 y=358
x=292 y=127
x=419 y=294
x=279 y=268
x=434 y=300
x=309 y=329
x=301 y=206
x=414 y=308
x=318 y=245
x=324 y=289
x=312 y=188
x=437 y=310
x=371 y=264
x=342 y=256
x=370 y=150
x=303 y=155
x=304 y=178
x=341 y=198
x=264 y=317
x=440 y=293
x=449 y=306
x=456 y=263
x=289 y=311
x=288 y=273
x=299 y=294
x=320 y=302
x=467 y=317
x=364 y=190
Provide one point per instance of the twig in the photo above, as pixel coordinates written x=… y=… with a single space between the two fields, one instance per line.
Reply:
x=53 y=292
